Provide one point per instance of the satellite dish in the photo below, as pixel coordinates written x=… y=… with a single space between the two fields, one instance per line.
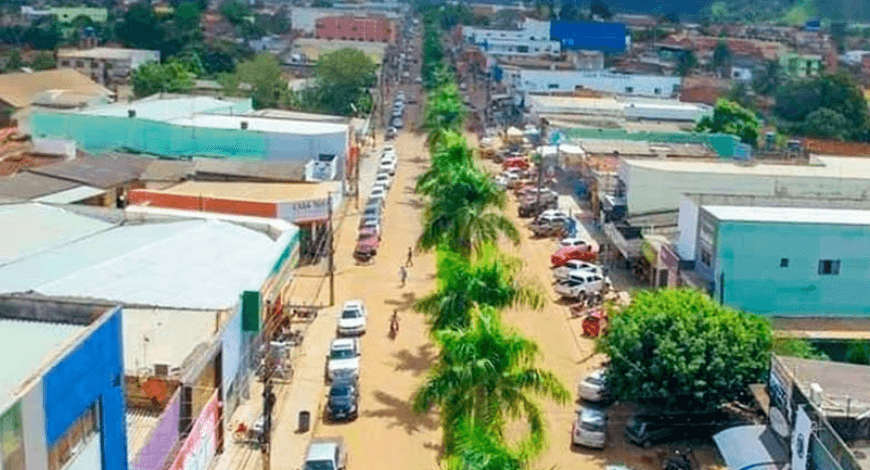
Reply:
x=778 y=422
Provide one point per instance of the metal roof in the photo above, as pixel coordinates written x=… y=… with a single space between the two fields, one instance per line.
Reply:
x=20 y=89
x=820 y=167
x=197 y=264
x=31 y=228
x=162 y=109
x=27 y=185
x=71 y=196
x=27 y=345
x=260 y=124
x=102 y=172
x=797 y=215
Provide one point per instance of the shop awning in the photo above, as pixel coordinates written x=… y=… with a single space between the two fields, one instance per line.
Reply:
x=751 y=448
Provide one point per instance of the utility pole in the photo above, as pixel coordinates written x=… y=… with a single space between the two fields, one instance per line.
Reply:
x=331 y=250
x=268 y=404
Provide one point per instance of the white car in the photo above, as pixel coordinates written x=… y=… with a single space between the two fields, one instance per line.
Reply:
x=373 y=223
x=501 y=181
x=576 y=267
x=384 y=180
x=388 y=166
x=343 y=359
x=572 y=242
x=590 y=428
x=352 y=319
x=389 y=149
x=379 y=199
x=580 y=286
x=378 y=192
x=592 y=387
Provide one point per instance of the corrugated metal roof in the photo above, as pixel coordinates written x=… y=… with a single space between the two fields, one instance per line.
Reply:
x=795 y=215
x=29 y=186
x=31 y=228
x=191 y=264
x=71 y=196
x=25 y=346
x=102 y=172
x=20 y=89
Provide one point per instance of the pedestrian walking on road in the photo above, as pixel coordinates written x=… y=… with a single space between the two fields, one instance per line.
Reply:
x=410 y=261
x=403 y=275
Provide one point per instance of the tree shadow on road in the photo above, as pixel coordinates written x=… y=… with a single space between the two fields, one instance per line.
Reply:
x=415 y=363
x=400 y=411
x=414 y=203
x=405 y=303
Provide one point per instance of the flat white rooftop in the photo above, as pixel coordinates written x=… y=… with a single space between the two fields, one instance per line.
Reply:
x=789 y=215
x=25 y=346
x=822 y=167
x=281 y=126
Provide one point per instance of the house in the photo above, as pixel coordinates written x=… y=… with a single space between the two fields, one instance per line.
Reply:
x=802 y=65
x=529 y=30
x=61 y=395
x=106 y=65
x=356 y=28
x=192 y=288
x=816 y=411
x=656 y=185
x=612 y=38
x=67 y=14
x=776 y=260
x=180 y=126
x=60 y=89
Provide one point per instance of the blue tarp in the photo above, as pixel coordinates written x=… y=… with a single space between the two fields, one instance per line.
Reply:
x=589 y=35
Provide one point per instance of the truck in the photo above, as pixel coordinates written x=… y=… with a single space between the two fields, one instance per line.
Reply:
x=326 y=454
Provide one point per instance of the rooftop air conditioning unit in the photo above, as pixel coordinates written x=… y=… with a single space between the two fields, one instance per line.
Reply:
x=244 y=125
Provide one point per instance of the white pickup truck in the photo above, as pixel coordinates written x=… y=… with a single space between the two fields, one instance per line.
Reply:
x=575 y=266
x=326 y=454
x=581 y=286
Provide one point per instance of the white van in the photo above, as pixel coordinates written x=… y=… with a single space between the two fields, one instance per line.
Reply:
x=590 y=428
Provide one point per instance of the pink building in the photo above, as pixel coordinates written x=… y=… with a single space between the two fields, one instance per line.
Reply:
x=356 y=28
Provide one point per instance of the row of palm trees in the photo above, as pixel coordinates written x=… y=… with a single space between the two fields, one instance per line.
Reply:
x=486 y=375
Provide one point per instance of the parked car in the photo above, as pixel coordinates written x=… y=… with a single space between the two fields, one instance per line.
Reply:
x=378 y=192
x=370 y=220
x=397 y=123
x=581 y=286
x=590 y=427
x=384 y=179
x=592 y=387
x=572 y=242
x=516 y=162
x=647 y=428
x=389 y=149
x=343 y=401
x=388 y=166
x=366 y=233
x=379 y=198
x=565 y=254
x=326 y=454
x=343 y=359
x=391 y=133
x=373 y=224
x=575 y=266
x=352 y=319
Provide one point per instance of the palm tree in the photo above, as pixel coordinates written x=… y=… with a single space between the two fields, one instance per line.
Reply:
x=465 y=212
x=444 y=112
x=489 y=280
x=452 y=151
x=477 y=448
x=486 y=375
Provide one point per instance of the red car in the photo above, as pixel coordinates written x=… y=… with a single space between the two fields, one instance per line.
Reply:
x=521 y=163
x=567 y=253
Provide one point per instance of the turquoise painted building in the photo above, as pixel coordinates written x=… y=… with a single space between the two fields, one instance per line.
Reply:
x=785 y=260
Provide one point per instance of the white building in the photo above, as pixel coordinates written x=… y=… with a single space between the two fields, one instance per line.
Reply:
x=535 y=81
x=532 y=30
x=630 y=108
x=106 y=65
x=521 y=47
x=658 y=185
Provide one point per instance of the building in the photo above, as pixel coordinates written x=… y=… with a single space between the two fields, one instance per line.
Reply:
x=530 y=30
x=304 y=19
x=49 y=89
x=802 y=65
x=781 y=260
x=618 y=108
x=549 y=81
x=106 y=65
x=657 y=185
x=192 y=287
x=815 y=409
x=185 y=126
x=612 y=38
x=499 y=47
x=61 y=395
x=67 y=14
x=356 y=28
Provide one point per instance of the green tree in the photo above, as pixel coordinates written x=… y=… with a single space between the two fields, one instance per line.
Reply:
x=477 y=448
x=451 y=151
x=268 y=87
x=14 y=62
x=768 y=80
x=466 y=214
x=598 y=9
x=838 y=92
x=43 y=61
x=444 y=113
x=826 y=124
x=140 y=28
x=731 y=118
x=797 y=347
x=678 y=349
x=171 y=77
x=491 y=279
x=485 y=376
x=685 y=63
x=721 y=57
x=344 y=78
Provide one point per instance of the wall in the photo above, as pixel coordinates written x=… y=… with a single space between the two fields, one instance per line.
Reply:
x=162 y=440
x=199 y=448
x=521 y=47
x=688 y=224
x=203 y=204
x=569 y=80
x=750 y=254
x=231 y=360
x=33 y=413
x=90 y=372
x=590 y=35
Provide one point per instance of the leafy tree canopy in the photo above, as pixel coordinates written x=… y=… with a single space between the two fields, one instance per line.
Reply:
x=263 y=73
x=678 y=349
x=826 y=124
x=731 y=118
x=838 y=92
x=172 y=77
x=344 y=78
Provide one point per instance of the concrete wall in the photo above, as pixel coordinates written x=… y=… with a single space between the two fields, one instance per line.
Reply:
x=749 y=255
x=162 y=440
x=688 y=224
x=33 y=413
x=91 y=372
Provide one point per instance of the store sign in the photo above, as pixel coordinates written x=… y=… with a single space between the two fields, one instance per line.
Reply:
x=304 y=211
x=200 y=445
x=800 y=440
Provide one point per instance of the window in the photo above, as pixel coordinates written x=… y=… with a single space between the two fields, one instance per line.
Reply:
x=829 y=267
x=553 y=86
x=65 y=63
x=629 y=89
x=657 y=91
x=80 y=63
x=783 y=263
x=706 y=258
x=79 y=433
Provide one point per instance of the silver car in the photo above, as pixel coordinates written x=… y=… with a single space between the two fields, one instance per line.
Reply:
x=593 y=387
x=590 y=427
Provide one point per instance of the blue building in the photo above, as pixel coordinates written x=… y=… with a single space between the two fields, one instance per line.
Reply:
x=61 y=392
x=612 y=38
x=782 y=260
